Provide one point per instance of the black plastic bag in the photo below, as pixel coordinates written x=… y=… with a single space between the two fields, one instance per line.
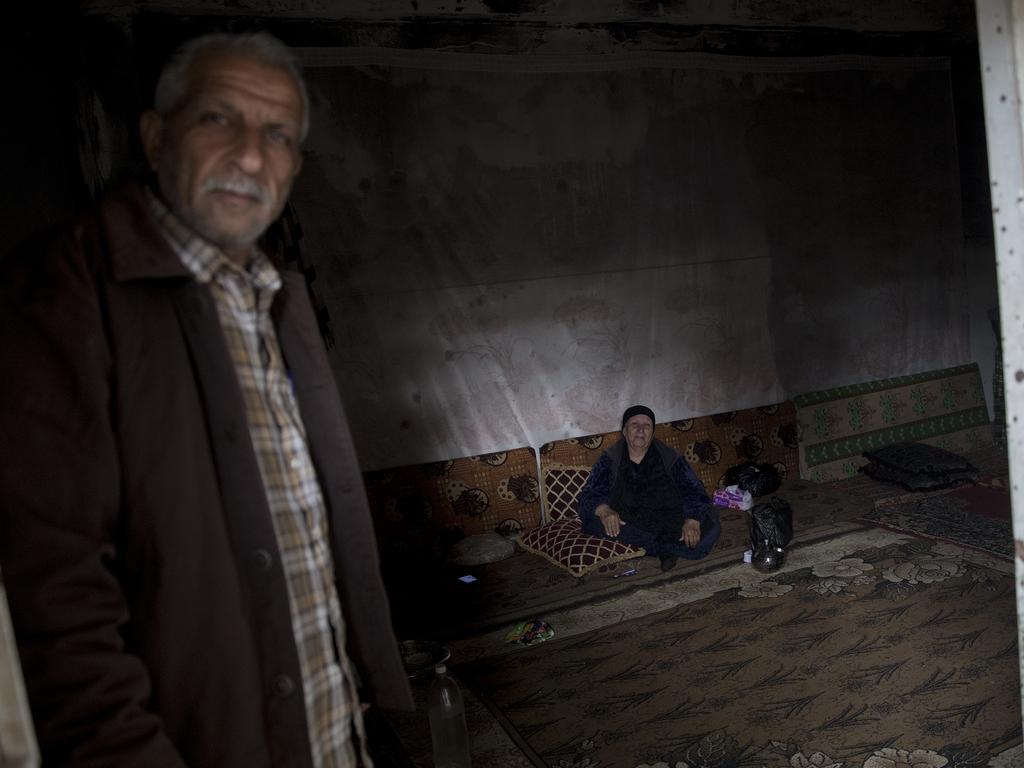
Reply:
x=771 y=530
x=758 y=479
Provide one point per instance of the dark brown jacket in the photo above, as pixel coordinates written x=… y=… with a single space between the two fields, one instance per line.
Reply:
x=137 y=548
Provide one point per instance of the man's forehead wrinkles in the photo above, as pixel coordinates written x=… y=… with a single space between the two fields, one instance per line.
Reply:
x=273 y=116
x=232 y=99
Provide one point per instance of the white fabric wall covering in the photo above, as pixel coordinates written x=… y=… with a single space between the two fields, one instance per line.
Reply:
x=515 y=248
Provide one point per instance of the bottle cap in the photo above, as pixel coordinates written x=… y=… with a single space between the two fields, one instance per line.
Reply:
x=440 y=669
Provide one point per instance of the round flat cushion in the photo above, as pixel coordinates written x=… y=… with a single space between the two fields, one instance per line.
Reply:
x=482 y=548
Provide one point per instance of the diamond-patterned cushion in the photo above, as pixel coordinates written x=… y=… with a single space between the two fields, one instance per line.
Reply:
x=563 y=543
x=562 y=486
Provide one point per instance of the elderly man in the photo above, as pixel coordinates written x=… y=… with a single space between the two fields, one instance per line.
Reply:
x=641 y=492
x=186 y=545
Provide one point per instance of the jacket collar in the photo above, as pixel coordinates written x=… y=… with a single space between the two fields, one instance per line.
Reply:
x=136 y=247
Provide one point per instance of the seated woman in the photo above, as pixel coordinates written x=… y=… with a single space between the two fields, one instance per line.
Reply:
x=643 y=493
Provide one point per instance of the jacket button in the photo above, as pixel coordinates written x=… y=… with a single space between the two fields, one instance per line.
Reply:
x=283 y=686
x=262 y=560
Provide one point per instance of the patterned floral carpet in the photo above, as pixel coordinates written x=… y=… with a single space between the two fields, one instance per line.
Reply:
x=976 y=516
x=873 y=649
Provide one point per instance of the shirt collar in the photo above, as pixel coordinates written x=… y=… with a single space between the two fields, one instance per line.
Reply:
x=202 y=258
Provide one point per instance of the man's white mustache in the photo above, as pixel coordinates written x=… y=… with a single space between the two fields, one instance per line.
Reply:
x=239 y=185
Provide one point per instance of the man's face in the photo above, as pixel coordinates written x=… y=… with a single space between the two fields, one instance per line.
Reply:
x=639 y=432
x=226 y=156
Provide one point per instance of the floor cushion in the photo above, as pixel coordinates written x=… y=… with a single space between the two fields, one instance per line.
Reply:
x=918 y=467
x=564 y=543
x=483 y=548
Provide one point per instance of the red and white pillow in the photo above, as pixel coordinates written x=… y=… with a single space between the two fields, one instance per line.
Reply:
x=562 y=541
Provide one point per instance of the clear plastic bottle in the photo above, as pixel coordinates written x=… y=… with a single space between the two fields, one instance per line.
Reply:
x=448 y=731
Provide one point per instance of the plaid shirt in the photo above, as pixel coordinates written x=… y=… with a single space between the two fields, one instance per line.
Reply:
x=243 y=298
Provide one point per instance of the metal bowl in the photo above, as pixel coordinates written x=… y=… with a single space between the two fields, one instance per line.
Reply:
x=421 y=656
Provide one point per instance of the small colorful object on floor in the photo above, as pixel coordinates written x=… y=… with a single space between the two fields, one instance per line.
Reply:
x=732 y=497
x=530 y=632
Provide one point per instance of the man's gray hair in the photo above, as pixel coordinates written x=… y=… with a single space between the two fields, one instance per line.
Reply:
x=262 y=46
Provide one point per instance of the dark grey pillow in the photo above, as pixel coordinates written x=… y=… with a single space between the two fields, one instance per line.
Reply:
x=918 y=481
x=921 y=459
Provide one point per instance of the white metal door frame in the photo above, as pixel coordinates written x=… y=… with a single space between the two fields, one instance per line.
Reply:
x=1001 y=42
